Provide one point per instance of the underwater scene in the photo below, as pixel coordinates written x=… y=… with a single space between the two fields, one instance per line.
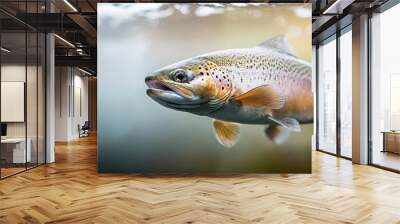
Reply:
x=204 y=88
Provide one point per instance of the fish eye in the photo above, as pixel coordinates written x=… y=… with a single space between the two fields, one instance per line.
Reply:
x=181 y=76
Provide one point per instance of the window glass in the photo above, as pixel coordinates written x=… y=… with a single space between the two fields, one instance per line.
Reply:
x=385 y=85
x=327 y=97
x=346 y=94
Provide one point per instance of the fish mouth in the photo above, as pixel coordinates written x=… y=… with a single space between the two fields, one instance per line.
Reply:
x=159 y=89
x=158 y=85
x=162 y=92
x=167 y=96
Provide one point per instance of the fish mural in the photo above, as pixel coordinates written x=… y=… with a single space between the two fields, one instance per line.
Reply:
x=264 y=85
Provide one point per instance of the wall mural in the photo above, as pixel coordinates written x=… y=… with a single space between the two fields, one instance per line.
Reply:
x=205 y=88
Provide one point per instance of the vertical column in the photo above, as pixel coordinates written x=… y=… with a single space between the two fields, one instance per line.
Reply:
x=50 y=98
x=360 y=90
x=50 y=92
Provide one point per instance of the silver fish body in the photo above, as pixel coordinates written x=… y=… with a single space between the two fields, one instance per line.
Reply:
x=264 y=85
x=245 y=69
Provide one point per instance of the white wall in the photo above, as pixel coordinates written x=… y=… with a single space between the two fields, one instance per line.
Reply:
x=62 y=82
x=71 y=102
x=16 y=73
x=80 y=110
x=12 y=73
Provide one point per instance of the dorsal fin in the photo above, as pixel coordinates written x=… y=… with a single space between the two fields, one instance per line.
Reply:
x=279 y=43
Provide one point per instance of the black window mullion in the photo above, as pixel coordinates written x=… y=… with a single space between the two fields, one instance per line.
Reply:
x=338 y=77
x=316 y=97
x=369 y=96
x=26 y=87
x=37 y=90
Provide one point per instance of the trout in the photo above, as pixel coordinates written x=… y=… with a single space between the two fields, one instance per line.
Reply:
x=264 y=85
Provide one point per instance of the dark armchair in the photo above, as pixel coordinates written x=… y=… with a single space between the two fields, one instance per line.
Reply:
x=84 y=129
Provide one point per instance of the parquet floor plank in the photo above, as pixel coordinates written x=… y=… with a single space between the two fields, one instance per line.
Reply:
x=71 y=191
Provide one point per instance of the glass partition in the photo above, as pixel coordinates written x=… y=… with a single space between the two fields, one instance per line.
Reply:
x=22 y=101
x=13 y=109
x=327 y=96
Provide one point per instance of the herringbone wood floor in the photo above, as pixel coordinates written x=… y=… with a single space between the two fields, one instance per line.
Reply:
x=71 y=191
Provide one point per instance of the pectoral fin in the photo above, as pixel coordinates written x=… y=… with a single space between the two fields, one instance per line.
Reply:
x=277 y=133
x=287 y=122
x=227 y=133
x=262 y=96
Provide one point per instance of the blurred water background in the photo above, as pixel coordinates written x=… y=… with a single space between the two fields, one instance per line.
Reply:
x=138 y=135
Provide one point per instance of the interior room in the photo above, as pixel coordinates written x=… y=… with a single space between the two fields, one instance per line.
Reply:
x=108 y=114
x=22 y=104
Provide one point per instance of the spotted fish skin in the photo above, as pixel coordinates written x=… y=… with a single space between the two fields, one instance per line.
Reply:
x=238 y=71
x=264 y=85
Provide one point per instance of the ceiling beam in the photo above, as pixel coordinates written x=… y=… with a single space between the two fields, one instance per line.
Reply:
x=320 y=22
x=85 y=25
x=337 y=7
x=82 y=61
